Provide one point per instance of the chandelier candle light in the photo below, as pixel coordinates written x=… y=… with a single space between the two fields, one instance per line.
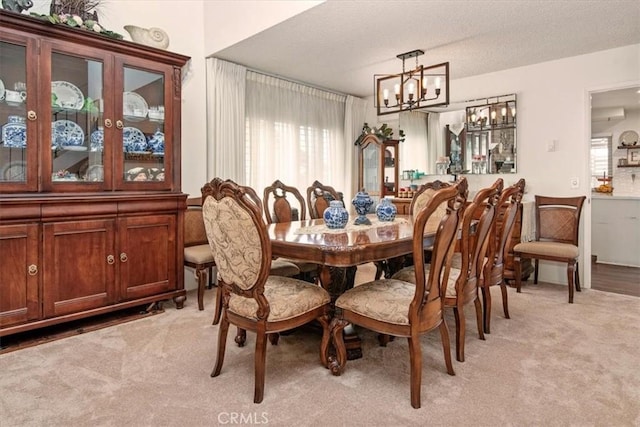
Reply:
x=414 y=89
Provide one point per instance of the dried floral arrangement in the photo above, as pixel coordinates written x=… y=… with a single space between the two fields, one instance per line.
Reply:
x=77 y=14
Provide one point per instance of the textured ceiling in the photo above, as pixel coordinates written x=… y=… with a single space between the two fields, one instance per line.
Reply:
x=340 y=45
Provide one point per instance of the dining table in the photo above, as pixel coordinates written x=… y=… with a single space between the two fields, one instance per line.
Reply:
x=338 y=252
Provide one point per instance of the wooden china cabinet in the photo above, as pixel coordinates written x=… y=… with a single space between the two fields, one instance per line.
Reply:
x=378 y=166
x=91 y=208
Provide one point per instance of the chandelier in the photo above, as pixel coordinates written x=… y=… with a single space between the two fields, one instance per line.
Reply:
x=414 y=89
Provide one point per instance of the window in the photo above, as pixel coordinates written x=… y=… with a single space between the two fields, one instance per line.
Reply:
x=601 y=164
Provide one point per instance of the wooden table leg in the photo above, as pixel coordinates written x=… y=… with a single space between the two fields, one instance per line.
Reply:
x=336 y=280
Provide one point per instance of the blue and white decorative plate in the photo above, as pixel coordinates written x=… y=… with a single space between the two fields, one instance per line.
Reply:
x=133 y=140
x=97 y=139
x=66 y=95
x=156 y=142
x=65 y=133
x=14 y=133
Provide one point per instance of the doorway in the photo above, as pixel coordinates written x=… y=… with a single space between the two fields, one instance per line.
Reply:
x=612 y=247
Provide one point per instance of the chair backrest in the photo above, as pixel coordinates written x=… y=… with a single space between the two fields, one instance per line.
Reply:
x=507 y=209
x=277 y=199
x=558 y=218
x=425 y=311
x=238 y=238
x=423 y=194
x=318 y=198
x=194 y=232
x=477 y=223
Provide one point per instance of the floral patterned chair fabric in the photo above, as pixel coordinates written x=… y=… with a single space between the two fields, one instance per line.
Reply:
x=404 y=309
x=252 y=299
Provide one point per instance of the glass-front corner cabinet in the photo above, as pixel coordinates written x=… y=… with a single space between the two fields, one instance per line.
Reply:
x=90 y=198
x=378 y=166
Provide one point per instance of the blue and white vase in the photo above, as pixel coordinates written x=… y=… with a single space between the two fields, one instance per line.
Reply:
x=97 y=139
x=362 y=202
x=14 y=133
x=335 y=216
x=156 y=142
x=386 y=211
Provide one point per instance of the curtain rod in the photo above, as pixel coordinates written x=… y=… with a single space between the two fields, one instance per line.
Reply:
x=264 y=73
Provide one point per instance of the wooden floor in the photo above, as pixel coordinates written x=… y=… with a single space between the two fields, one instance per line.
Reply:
x=615 y=278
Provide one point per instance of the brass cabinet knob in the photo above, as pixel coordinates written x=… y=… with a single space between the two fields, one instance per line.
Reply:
x=119 y=124
x=111 y=259
x=33 y=270
x=31 y=115
x=123 y=257
x=108 y=123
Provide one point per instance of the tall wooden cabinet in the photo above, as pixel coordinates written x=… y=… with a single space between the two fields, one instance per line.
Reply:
x=378 y=166
x=91 y=208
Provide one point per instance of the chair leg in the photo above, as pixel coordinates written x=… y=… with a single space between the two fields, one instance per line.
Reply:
x=578 y=278
x=505 y=299
x=486 y=311
x=379 y=269
x=535 y=271
x=517 y=271
x=446 y=347
x=222 y=343
x=458 y=314
x=260 y=362
x=326 y=339
x=200 y=274
x=415 y=356
x=476 y=302
x=570 y=275
x=218 y=306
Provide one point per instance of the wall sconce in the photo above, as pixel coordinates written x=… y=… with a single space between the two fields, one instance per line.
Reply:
x=414 y=89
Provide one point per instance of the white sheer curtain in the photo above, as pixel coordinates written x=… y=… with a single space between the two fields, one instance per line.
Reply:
x=226 y=120
x=294 y=133
x=354 y=117
x=436 y=143
x=416 y=153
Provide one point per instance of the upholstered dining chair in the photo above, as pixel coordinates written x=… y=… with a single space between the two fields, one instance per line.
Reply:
x=557 y=225
x=460 y=283
x=197 y=253
x=279 y=267
x=318 y=198
x=493 y=273
x=253 y=299
x=398 y=308
x=277 y=200
x=421 y=197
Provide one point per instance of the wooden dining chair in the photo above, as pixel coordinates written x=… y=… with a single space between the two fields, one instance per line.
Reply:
x=464 y=264
x=279 y=267
x=318 y=198
x=557 y=226
x=254 y=300
x=421 y=197
x=399 y=308
x=278 y=207
x=493 y=272
x=197 y=253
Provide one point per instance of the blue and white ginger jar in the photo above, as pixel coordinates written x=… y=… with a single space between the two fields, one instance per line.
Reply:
x=97 y=139
x=156 y=142
x=386 y=211
x=335 y=216
x=362 y=202
x=14 y=133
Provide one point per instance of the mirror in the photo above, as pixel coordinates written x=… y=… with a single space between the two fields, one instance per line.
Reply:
x=470 y=137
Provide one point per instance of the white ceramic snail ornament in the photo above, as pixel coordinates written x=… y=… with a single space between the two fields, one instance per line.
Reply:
x=154 y=37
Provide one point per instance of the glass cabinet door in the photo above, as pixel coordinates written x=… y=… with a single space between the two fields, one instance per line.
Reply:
x=140 y=158
x=75 y=151
x=371 y=170
x=18 y=145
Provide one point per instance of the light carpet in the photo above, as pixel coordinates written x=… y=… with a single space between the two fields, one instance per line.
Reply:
x=552 y=364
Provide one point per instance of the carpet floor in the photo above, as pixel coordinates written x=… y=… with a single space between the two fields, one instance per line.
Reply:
x=551 y=364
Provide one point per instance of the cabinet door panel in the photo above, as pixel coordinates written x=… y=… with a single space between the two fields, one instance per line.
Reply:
x=147 y=255
x=19 y=280
x=78 y=273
